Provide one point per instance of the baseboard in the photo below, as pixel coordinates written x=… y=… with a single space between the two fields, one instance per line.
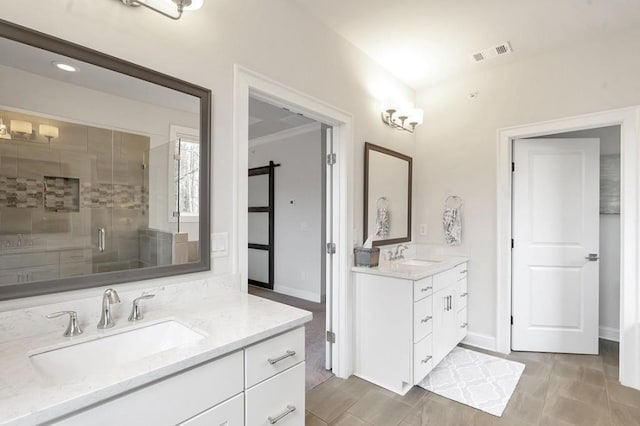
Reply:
x=482 y=341
x=610 y=333
x=300 y=294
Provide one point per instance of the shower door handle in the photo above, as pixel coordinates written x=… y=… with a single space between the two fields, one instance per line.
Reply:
x=101 y=239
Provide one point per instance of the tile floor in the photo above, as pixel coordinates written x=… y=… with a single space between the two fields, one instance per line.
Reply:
x=555 y=389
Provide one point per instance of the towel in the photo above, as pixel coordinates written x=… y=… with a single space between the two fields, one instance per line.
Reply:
x=452 y=225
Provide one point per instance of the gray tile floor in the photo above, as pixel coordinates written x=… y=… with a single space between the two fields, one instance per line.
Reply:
x=555 y=389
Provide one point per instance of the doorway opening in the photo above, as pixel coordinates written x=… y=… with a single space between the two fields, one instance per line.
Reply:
x=339 y=298
x=289 y=185
x=566 y=242
x=629 y=121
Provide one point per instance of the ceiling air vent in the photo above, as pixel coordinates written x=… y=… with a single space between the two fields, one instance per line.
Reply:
x=492 y=52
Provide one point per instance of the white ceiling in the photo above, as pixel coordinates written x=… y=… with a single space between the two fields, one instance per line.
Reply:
x=266 y=119
x=425 y=41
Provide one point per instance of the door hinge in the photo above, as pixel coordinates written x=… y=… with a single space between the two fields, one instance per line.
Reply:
x=512 y=243
x=511 y=319
x=331 y=159
x=176 y=214
x=513 y=166
x=331 y=248
x=176 y=157
x=331 y=336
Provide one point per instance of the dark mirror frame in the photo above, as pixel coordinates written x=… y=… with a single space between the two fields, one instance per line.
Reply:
x=40 y=40
x=368 y=147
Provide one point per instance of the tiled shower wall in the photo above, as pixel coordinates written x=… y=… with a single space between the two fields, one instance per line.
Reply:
x=113 y=186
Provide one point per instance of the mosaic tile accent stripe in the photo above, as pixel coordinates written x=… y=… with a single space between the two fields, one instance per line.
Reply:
x=61 y=194
x=20 y=193
x=107 y=195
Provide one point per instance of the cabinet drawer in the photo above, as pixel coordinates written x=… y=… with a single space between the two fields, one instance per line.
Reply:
x=79 y=255
x=29 y=259
x=281 y=397
x=461 y=271
x=422 y=288
x=169 y=401
x=462 y=324
x=74 y=269
x=229 y=413
x=422 y=318
x=444 y=279
x=422 y=358
x=461 y=294
x=272 y=356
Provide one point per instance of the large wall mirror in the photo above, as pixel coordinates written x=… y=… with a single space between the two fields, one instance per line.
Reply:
x=387 y=195
x=104 y=169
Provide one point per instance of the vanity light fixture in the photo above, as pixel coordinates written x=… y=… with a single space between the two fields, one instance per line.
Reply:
x=48 y=131
x=405 y=119
x=179 y=5
x=21 y=129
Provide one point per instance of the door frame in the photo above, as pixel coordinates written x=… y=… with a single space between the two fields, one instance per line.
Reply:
x=629 y=121
x=246 y=83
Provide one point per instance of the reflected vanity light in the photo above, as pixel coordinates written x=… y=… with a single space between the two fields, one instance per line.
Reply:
x=64 y=67
x=178 y=5
x=21 y=129
x=405 y=119
x=48 y=131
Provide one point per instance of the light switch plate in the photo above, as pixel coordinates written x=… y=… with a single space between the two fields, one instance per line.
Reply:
x=423 y=229
x=220 y=244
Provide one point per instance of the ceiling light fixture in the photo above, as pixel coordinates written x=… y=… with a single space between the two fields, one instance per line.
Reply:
x=180 y=6
x=406 y=119
x=64 y=67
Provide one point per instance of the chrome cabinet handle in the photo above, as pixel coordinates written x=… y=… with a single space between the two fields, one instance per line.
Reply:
x=290 y=409
x=424 y=289
x=101 y=239
x=280 y=358
x=73 y=329
x=426 y=360
x=425 y=319
x=464 y=271
x=464 y=325
x=592 y=257
x=464 y=294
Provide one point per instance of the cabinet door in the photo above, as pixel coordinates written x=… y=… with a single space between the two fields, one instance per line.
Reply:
x=278 y=400
x=444 y=323
x=229 y=413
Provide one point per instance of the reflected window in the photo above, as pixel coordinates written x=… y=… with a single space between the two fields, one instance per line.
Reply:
x=184 y=185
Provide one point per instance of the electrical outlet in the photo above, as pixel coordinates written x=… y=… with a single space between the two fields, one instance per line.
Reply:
x=423 y=229
x=220 y=244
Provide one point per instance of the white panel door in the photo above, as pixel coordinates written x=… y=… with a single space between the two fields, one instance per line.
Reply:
x=556 y=184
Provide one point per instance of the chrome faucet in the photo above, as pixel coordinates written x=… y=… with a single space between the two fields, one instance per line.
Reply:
x=399 y=253
x=110 y=296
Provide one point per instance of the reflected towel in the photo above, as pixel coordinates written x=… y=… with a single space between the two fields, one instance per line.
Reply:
x=382 y=223
x=452 y=225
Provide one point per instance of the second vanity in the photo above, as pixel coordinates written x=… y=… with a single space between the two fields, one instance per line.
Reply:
x=408 y=316
x=236 y=359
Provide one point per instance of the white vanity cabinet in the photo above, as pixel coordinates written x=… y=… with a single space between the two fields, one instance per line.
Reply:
x=252 y=386
x=405 y=327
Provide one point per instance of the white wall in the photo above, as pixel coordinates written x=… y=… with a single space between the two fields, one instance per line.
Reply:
x=456 y=146
x=609 y=251
x=274 y=38
x=298 y=226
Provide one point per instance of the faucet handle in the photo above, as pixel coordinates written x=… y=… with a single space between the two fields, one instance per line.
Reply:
x=136 y=313
x=73 y=329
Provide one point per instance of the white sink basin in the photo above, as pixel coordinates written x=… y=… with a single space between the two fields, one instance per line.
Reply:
x=419 y=262
x=106 y=352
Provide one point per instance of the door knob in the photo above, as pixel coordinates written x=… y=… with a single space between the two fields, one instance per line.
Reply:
x=592 y=257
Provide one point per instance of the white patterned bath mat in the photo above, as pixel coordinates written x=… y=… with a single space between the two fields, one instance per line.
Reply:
x=478 y=380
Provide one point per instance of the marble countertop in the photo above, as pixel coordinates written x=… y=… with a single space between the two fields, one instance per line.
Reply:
x=397 y=269
x=230 y=320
